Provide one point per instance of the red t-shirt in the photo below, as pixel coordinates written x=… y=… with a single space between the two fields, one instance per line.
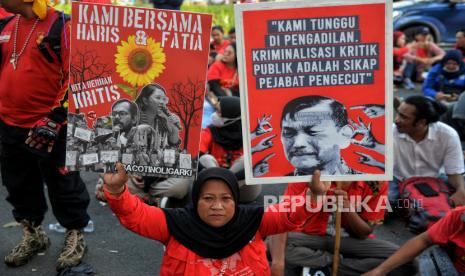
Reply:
x=450 y=231
x=226 y=75
x=219 y=48
x=3 y=13
x=207 y=145
x=399 y=56
x=36 y=86
x=422 y=52
x=150 y=222
x=317 y=223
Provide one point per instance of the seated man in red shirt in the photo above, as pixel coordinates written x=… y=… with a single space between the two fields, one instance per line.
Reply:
x=311 y=245
x=447 y=232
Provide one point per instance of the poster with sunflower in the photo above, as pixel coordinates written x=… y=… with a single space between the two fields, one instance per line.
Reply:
x=137 y=82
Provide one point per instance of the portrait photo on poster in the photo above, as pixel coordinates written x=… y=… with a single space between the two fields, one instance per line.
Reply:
x=143 y=134
x=314 y=130
x=324 y=79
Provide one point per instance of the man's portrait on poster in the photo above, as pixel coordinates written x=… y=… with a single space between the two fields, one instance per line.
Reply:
x=142 y=132
x=314 y=130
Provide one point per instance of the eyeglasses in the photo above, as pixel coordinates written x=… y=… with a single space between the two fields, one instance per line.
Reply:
x=120 y=113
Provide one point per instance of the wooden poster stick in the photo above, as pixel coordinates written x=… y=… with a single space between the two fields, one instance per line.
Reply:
x=337 y=237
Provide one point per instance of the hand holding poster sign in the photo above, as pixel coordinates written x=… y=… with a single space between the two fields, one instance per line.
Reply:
x=321 y=68
x=137 y=82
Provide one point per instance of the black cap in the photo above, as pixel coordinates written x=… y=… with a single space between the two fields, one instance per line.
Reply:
x=422 y=31
x=230 y=107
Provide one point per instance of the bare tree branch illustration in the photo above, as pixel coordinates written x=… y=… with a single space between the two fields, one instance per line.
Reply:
x=187 y=102
x=87 y=65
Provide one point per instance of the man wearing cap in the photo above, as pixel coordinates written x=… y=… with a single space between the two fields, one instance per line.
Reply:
x=33 y=101
x=424 y=52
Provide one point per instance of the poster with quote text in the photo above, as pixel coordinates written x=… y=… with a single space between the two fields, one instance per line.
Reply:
x=316 y=90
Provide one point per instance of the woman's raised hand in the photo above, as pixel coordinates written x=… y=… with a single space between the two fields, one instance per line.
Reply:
x=115 y=182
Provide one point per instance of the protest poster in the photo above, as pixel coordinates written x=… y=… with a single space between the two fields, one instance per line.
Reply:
x=316 y=90
x=136 y=89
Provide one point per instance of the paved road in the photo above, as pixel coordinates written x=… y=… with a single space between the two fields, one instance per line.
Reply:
x=114 y=250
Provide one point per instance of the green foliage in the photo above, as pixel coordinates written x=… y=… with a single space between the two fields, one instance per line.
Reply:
x=223 y=15
x=63 y=7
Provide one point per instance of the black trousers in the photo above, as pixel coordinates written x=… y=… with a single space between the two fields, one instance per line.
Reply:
x=24 y=173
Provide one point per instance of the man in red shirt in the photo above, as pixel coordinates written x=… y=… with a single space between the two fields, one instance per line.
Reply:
x=313 y=243
x=447 y=232
x=33 y=100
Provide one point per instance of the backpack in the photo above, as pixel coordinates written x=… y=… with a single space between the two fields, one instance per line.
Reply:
x=428 y=199
x=53 y=37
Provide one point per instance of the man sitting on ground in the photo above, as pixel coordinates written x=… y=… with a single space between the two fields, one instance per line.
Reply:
x=311 y=245
x=423 y=146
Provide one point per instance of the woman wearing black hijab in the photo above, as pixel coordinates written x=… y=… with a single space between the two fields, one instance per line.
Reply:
x=213 y=236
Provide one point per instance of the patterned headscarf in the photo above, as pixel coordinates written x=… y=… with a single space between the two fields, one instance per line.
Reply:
x=39 y=7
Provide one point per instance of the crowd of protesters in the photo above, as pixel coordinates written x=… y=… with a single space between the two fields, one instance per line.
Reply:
x=216 y=234
x=441 y=73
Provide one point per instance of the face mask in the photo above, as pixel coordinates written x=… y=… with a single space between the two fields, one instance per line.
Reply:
x=450 y=71
x=222 y=122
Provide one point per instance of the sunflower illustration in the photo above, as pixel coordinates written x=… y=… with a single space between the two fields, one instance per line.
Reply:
x=139 y=64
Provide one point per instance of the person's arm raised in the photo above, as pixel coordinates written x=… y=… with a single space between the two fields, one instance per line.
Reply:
x=135 y=215
x=116 y=182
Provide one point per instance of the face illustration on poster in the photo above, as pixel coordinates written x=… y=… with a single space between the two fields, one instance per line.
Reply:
x=314 y=129
x=152 y=102
x=169 y=157
x=185 y=161
x=152 y=99
x=124 y=115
